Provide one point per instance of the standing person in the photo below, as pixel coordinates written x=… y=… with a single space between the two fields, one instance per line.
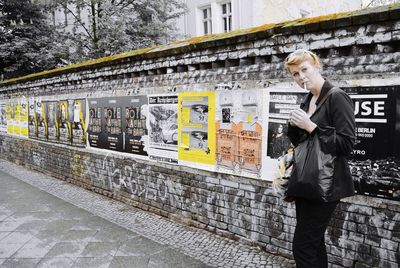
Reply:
x=336 y=112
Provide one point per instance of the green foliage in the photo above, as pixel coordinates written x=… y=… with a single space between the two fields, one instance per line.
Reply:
x=26 y=39
x=30 y=43
x=105 y=27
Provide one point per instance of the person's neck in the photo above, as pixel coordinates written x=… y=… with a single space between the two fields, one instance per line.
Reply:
x=318 y=87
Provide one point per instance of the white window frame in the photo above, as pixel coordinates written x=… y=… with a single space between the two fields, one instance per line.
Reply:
x=227 y=24
x=206 y=23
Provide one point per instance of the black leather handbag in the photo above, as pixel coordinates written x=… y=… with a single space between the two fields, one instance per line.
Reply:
x=313 y=167
x=314 y=164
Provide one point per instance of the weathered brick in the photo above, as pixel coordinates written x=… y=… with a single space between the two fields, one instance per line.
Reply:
x=212 y=180
x=229 y=184
x=390 y=245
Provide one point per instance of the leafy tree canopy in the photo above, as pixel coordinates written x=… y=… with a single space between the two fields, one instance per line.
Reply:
x=30 y=41
x=104 y=27
x=25 y=39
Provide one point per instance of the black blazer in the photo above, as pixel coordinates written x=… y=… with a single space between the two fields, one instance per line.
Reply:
x=336 y=112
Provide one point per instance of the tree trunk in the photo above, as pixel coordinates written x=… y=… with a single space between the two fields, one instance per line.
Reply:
x=94 y=21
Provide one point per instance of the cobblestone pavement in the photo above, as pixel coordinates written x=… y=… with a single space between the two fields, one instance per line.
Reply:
x=205 y=249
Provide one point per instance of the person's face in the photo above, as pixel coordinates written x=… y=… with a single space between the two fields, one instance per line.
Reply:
x=280 y=129
x=305 y=73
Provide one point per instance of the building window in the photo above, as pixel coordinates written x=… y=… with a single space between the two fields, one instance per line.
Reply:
x=207 y=21
x=227 y=17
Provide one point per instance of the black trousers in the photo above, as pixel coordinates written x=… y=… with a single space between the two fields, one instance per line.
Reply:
x=309 y=249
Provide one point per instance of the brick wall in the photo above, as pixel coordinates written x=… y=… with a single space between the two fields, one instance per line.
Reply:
x=364 y=231
x=361 y=49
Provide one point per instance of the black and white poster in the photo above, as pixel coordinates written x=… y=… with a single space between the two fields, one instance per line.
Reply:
x=280 y=106
x=135 y=127
x=163 y=128
x=112 y=121
x=375 y=160
x=95 y=134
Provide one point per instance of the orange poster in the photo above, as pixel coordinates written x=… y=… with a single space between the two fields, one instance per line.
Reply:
x=239 y=132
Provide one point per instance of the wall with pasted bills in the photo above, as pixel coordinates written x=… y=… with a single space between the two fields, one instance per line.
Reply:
x=358 y=50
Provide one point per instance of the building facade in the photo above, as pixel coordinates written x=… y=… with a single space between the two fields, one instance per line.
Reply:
x=219 y=16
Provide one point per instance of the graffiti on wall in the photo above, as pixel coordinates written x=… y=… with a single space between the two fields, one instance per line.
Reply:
x=239 y=132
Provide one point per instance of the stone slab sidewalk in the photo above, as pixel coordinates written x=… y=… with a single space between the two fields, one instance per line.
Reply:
x=45 y=222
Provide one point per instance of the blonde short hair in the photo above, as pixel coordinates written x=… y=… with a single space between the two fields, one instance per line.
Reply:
x=300 y=55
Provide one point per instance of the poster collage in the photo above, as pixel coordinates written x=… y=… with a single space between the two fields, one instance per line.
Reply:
x=240 y=132
x=236 y=132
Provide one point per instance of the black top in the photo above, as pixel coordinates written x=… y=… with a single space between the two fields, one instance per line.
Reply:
x=336 y=112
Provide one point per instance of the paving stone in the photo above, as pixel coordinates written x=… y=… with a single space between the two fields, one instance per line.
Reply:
x=17 y=238
x=129 y=262
x=3 y=234
x=9 y=226
x=89 y=262
x=33 y=250
x=66 y=250
x=79 y=235
x=55 y=262
x=7 y=250
x=100 y=249
x=19 y=263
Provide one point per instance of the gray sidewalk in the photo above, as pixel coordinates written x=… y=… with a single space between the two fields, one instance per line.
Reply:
x=45 y=222
x=40 y=230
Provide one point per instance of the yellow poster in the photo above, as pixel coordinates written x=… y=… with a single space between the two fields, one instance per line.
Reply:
x=23 y=118
x=17 y=111
x=196 y=127
x=10 y=117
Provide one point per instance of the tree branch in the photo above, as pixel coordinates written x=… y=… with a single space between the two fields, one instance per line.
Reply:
x=79 y=21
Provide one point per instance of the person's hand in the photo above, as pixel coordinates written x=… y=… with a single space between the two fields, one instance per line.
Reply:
x=301 y=119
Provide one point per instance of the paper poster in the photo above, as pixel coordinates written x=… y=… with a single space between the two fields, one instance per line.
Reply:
x=64 y=125
x=196 y=129
x=135 y=127
x=32 y=123
x=112 y=114
x=95 y=134
x=10 y=117
x=239 y=132
x=23 y=119
x=52 y=124
x=280 y=106
x=280 y=103
x=163 y=128
x=3 y=117
x=375 y=160
x=78 y=124
x=17 y=115
x=41 y=115
x=375 y=116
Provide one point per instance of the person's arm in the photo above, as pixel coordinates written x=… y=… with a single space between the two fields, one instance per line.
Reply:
x=339 y=137
x=295 y=134
x=343 y=120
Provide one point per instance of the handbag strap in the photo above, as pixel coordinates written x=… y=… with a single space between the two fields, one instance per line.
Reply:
x=332 y=90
